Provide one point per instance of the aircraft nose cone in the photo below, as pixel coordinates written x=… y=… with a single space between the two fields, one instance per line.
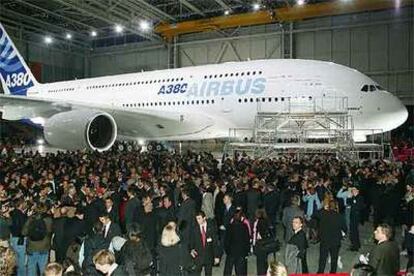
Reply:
x=396 y=112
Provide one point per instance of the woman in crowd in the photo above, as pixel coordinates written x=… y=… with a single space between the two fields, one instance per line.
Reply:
x=261 y=234
x=174 y=258
x=135 y=255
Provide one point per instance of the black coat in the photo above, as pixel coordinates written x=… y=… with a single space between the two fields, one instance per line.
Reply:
x=385 y=258
x=119 y=271
x=186 y=217
x=114 y=230
x=136 y=258
x=173 y=259
x=299 y=239
x=331 y=226
x=164 y=216
x=205 y=255
x=149 y=229
x=133 y=211
x=237 y=240
x=93 y=243
x=18 y=219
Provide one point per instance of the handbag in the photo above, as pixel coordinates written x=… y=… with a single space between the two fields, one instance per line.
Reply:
x=267 y=246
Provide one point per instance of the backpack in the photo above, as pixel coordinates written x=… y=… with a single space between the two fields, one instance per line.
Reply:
x=37 y=230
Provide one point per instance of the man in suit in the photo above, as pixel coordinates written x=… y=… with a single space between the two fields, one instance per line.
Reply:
x=185 y=215
x=111 y=210
x=110 y=229
x=228 y=213
x=385 y=257
x=357 y=208
x=204 y=244
x=133 y=207
x=166 y=213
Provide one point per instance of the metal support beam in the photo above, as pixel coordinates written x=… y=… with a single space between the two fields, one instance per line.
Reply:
x=68 y=19
x=223 y=5
x=192 y=7
x=284 y=14
x=155 y=10
x=108 y=18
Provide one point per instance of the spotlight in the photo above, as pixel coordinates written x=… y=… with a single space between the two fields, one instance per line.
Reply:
x=48 y=39
x=68 y=36
x=256 y=6
x=94 y=33
x=144 y=25
x=227 y=12
x=300 y=2
x=119 y=28
x=40 y=142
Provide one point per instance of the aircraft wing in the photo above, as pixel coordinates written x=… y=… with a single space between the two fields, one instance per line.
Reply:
x=144 y=123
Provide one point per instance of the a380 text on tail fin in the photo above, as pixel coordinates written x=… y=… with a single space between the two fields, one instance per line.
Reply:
x=15 y=76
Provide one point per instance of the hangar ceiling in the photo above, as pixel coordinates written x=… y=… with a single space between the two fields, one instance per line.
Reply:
x=33 y=19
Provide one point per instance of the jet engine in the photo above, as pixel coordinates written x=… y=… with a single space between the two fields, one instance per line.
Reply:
x=81 y=129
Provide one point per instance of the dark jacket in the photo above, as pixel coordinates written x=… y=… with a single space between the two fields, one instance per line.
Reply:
x=299 y=239
x=119 y=271
x=385 y=258
x=173 y=259
x=133 y=211
x=237 y=240
x=136 y=258
x=164 y=216
x=93 y=243
x=18 y=219
x=331 y=226
x=42 y=245
x=205 y=255
x=186 y=219
x=114 y=230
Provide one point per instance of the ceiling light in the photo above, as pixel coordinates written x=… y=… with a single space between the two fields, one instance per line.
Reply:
x=94 y=33
x=256 y=6
x=119 y=28
x=300 y=2
x=48 y=39
x=227 y=12
x=68 y=36
x=144 y=25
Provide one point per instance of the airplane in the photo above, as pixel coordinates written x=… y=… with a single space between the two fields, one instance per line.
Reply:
x=191 y=103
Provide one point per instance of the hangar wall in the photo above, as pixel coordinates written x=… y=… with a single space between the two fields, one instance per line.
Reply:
x=56 y=64
x=380 y=44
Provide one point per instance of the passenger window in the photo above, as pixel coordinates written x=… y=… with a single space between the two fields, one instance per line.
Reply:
x=364 y=88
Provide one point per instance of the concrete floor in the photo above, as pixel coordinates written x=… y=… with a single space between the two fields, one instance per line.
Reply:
x=348 y=258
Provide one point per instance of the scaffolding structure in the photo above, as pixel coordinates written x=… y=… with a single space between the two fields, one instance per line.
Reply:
x=321 y=126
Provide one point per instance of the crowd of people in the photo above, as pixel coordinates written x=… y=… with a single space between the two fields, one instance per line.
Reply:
x=137 y=213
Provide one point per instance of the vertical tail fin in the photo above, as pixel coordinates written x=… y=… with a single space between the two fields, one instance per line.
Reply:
x=15 y=75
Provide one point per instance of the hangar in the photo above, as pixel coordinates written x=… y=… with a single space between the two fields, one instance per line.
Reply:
x=302 y=99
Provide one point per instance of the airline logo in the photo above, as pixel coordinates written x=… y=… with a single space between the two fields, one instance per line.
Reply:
x=12 y=69
x=217 y=88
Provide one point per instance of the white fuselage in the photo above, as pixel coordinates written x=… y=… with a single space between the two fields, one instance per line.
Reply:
x=232 y=93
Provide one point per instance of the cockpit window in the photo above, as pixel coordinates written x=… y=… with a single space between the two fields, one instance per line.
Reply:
x=372 y=88
x=379 y=87
x=364 y=88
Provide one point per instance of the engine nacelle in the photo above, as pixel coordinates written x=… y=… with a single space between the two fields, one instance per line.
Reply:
x=81 y=129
